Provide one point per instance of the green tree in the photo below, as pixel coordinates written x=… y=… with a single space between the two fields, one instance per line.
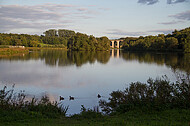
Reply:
x=103 y=43
x=159 y=43
x=33 y=43
x=171 y=43
x=24 y=41
x=66 y=33
x=51 y=33
x=187 y=44
x=18 y=42
x=92 y=42
x=2 y=42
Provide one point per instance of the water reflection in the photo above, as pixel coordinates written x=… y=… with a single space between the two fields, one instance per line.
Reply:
x=67 y=58
x=84 y=75
x=64 y=58
x=115 y=53
x=174 y=60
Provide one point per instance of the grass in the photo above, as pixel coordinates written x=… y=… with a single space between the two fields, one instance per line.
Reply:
x=12 y=51
x=174 y=117
x=6 y=51
x=41 y=48
x=4 y=46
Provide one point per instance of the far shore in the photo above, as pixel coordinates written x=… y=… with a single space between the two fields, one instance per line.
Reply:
x=14 y=51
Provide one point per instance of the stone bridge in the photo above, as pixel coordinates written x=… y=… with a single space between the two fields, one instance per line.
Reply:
x=113 y=43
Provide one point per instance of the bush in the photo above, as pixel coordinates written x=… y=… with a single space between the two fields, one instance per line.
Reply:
x=89 y=113
x=158 y=94
x=10 y=101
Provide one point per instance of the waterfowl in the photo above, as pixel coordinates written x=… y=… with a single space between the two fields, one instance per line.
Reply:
x=61 y=98
x=71 y=98
x=99 y=96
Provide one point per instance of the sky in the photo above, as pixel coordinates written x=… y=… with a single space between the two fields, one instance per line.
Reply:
x=111 y=18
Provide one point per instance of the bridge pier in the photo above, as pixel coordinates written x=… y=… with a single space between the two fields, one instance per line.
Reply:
x=118 y=43
x=112 y=44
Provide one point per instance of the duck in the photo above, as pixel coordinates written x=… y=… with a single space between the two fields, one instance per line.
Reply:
x=61 y=98
x=71 y=98
x=99 y=96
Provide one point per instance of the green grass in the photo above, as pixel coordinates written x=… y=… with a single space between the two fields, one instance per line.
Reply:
x=42 y=45
x=4 y=46
x=12 y=51
x=175 y=117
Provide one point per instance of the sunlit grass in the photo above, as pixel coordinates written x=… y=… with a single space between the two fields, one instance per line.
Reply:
x=12 y=51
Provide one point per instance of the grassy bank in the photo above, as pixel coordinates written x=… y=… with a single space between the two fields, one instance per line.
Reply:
x=39 y=48
x=12 y=51
x=6 y=51
x=174 y=117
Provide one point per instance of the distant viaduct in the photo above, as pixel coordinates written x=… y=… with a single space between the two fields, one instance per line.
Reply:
x=113 y=43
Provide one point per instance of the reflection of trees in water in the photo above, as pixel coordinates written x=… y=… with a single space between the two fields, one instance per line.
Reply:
x=183 y=63
x=174 y=60
x=64 y=58
x=78 y=58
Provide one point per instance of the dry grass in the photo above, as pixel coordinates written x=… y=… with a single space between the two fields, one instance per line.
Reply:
x=12 y=51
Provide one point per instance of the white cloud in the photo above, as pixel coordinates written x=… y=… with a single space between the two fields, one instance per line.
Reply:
x=182 y=16
x=175 y=1
x=151 y=2
x=148 y=2
x=124 y=33
x=170 y=22
x=162 y=31
x=42 y=16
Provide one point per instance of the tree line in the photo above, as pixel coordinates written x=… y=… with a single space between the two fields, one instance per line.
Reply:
x=57 y=38
x=177 y=41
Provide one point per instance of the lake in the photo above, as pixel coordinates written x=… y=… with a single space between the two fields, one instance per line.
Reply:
x=84 y=75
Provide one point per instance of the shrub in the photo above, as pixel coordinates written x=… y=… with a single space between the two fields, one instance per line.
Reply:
x=89 y=113
x=158 y=94
x=10 y=101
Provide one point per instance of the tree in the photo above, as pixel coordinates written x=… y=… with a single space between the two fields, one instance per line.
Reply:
x=171 y=43
x=187 y=44
x=51 y=33
x=24 y=41
x=159 y=43
x=92 y=42
x=63 y=41
x=103 y=43
x=66 y=33
x=33 y=43
x=2 y=42
x=18 y=42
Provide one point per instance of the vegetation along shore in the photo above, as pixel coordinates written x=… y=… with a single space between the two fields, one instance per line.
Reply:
x=178 y=41
x=157 y=102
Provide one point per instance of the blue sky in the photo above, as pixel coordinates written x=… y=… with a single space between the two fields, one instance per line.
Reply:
x=111 y=18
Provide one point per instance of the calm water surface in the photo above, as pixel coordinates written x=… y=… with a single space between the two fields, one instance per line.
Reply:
x=84 y=75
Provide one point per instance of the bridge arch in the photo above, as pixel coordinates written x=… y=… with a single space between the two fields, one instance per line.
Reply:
x=113 y=43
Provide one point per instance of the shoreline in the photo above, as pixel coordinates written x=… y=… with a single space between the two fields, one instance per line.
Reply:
x=4 y=52
x=12 y=51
